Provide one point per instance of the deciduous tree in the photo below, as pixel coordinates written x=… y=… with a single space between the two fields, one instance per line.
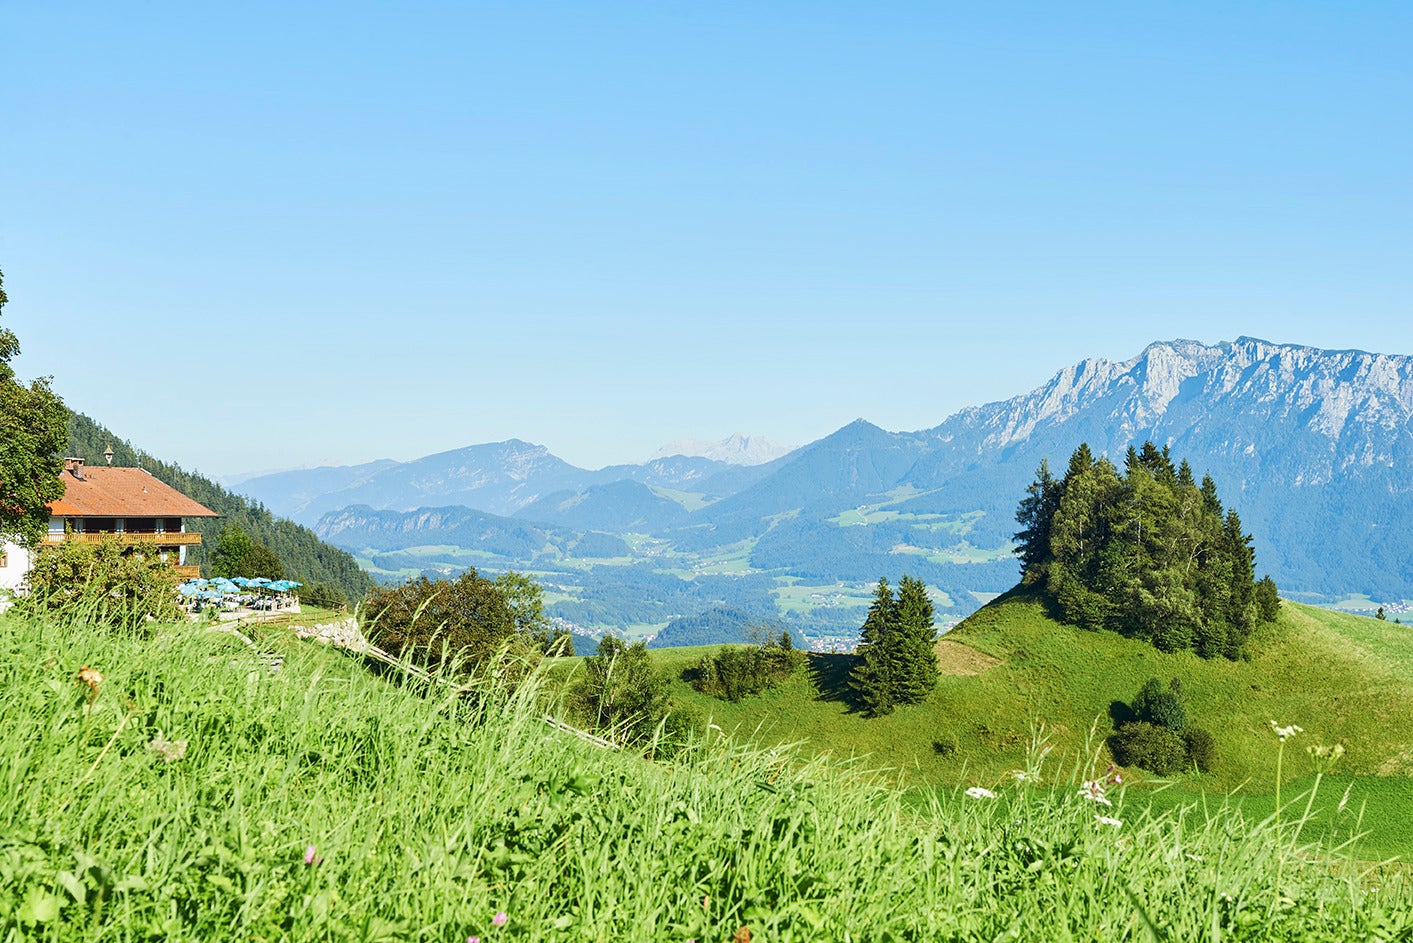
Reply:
x=33 y=431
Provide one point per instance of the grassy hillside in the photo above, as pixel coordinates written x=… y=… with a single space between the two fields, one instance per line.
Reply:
x=306 y=558
x=1009 y=667
x=192 y=793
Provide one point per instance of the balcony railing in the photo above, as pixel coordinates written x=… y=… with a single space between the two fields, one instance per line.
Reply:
x=169 y=539
x=188 y=572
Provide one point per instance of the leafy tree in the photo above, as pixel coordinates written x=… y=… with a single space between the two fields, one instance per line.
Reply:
x=236 y=554
x=32 y=434
x=1379 y=614
x=621 y=693
x=456 y=624
x=322 y=595
x=112 y=582
x=1201 y=748
x=526 y=601
x=1149 y=746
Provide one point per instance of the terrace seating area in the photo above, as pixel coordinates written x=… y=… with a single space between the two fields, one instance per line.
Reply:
x=239 y=597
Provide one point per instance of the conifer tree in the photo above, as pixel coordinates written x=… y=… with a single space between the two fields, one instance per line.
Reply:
x=1037 y=510
x=872 y=678
x=916 y=657
x=897 y=663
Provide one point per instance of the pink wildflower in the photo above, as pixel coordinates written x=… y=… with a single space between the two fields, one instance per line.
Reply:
x=311 y=856
x=500 y=918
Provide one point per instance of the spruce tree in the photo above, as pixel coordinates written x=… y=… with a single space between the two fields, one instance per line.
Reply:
x=916 y=636
x=873 y=678
x=1037 y=510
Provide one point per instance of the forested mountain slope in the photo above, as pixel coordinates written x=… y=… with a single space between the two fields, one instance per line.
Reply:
x=306 y=558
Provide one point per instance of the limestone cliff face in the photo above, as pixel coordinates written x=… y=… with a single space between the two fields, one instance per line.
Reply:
x=1317 y=414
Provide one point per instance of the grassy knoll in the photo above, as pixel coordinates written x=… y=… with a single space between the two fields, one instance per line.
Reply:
x=191 y=793
x=1009 y=668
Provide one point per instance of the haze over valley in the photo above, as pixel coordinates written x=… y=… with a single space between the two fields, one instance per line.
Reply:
x=1311 y=443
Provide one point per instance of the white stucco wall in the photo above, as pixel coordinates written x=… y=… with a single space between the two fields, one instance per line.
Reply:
x=12 y=575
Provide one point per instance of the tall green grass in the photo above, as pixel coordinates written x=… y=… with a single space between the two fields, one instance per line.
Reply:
x=322 y=802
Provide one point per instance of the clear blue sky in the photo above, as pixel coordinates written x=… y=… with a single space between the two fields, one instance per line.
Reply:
x=273 y=234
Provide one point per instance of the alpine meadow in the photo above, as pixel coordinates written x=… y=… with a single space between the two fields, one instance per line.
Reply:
x=652 y=473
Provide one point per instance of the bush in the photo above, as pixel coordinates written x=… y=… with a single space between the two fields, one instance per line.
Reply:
x=1201 y=748
x=735 y=672
x=1162 y=708
x=113 y=582
x=1149 y=747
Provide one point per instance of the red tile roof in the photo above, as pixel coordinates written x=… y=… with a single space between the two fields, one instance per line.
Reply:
x=122 y=492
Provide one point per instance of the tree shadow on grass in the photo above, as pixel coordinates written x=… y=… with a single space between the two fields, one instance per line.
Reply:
x=829 y=673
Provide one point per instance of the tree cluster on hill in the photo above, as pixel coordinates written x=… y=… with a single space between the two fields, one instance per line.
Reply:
x=1148 y=552
x=304 y=556
x=896 y=660
x=738 y=671
x=1152 y=733
x=31 y=435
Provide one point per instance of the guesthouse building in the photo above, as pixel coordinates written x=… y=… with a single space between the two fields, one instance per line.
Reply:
x=103 y=502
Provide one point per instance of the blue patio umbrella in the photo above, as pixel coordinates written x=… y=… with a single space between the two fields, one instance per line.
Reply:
x=188 y=589
x=259 y=581
x=240 y=580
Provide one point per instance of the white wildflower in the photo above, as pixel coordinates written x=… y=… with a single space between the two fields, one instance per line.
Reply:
x=1106 y=820
x=168 y=750
x=1285 y=733
x=980 y=792
x=1093 y=790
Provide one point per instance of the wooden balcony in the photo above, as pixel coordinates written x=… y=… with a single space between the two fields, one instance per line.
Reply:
x=188 y=572
x=171 y=539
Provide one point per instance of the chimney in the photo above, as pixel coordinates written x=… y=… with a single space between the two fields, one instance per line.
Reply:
x=74 y=466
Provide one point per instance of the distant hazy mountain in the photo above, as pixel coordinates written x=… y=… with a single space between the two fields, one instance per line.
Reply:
x=1314 y=448
x=499 y=478
x=734 y=450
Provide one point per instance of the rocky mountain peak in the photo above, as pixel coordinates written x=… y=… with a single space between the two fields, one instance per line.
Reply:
x=735 y=449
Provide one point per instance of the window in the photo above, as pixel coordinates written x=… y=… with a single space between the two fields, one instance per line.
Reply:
x=4 y=559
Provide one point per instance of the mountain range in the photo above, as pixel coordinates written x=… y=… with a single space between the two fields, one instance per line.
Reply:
x=1311 y=446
